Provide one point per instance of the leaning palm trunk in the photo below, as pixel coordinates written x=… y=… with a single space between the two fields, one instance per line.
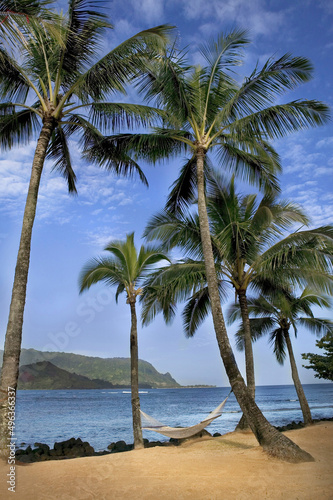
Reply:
x=12 y=348
x=275 y=443
x=249 y=364
x=137 y=430
x=298 y=386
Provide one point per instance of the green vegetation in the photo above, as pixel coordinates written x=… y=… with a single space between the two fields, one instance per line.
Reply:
x=44 y=375
x=112 y=370
x=322 y=364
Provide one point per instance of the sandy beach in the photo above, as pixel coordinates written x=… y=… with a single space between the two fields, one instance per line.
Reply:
x=232 y=466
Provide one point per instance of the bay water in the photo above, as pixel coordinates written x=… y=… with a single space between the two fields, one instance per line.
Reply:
x=104 y=416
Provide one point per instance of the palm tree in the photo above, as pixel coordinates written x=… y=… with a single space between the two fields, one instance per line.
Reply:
x=274 y=316
x=126 y=270
x=53 y=86
x=205 y=109
x=245 y=234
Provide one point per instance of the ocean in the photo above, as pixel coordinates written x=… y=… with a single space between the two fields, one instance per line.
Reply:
x=104 y=416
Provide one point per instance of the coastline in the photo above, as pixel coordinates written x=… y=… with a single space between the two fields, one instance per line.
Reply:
x=75 y=447
x=231 y=466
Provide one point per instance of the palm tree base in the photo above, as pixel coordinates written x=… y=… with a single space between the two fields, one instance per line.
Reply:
x=243 y=424
x=286 y=450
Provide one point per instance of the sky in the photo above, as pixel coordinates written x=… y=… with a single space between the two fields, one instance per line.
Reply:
x=70 y=230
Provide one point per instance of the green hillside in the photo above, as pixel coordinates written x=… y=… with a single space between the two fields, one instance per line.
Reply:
x=45 y=375
x=113 y=370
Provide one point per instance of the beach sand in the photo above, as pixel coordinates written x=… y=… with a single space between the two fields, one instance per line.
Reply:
x=232 y=466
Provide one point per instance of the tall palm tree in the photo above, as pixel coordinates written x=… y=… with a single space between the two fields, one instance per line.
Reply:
x=125 y=269
x=205 y=109
x=52 y=86
x=274 y=316
x=246 y=237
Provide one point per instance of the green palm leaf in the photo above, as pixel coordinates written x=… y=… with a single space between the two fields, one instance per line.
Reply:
x=58 y=150
x=16 y=127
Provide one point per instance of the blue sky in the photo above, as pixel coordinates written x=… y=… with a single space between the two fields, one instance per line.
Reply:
x=70 y=230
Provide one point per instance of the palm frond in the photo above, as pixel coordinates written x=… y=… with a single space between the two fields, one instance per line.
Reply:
x=196 y=311
x=16 y=127
x=264 y=85
x=83 y=32
x=112 y=153
x=278 y=342
x=14 y=86
x=114 y=116
x=259 y=327
x=58 y=150
x=116 y=68
x=165 y=83
x=279 y=120
x=318 y=326
x=259 y=170
x=180 y=230
x=183 y=190
x=100 y=269
x=149 y=256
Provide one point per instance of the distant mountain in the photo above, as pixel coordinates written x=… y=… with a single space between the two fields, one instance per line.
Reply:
x=113 y=370
x=45 y=375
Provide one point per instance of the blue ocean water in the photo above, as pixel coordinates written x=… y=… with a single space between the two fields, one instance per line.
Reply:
x=104 y=416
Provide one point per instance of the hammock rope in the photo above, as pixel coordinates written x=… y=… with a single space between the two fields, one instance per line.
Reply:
x=151 y=424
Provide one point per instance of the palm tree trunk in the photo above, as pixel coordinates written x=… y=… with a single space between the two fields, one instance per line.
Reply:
x=249 y=363
x=12 y=348
x=137 y=431
x=298 y=386
x=274 y=442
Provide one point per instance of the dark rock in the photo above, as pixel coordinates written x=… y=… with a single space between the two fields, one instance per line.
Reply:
x=111 y=446
x=44 y=447
x=101 y=453
x=56 y=452
x=27 y=458
x=89 y=450
x=69 y=443
x=66 y=449
x=216 y=434
x=38 y=452
x=58 y=446
x=20 y=452
x=120 y=446
x=152 y=444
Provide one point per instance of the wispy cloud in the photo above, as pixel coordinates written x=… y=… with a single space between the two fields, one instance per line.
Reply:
x=258 y=18
x=327 y=141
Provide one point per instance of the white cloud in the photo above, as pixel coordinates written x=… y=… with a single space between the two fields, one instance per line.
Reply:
x=101 y=237
x=323 y=171
x=151 y=10
x=259 y=19
x=324 y=142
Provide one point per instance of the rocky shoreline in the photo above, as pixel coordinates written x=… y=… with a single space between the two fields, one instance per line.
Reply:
x=75 y=447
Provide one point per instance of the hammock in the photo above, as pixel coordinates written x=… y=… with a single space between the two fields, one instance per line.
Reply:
x=180 y=432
